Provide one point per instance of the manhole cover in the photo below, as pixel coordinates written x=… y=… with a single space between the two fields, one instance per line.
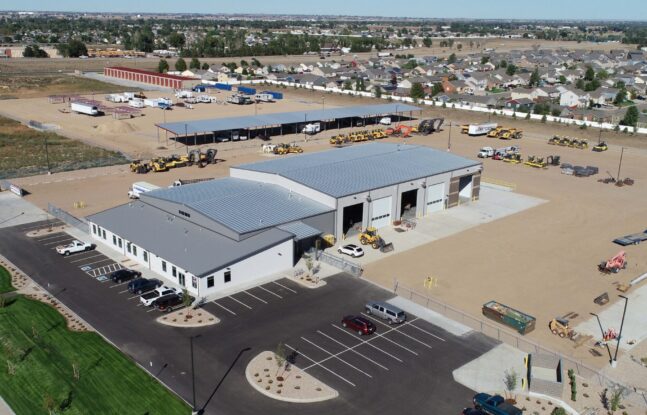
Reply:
x=102 y=278
x=86 y=268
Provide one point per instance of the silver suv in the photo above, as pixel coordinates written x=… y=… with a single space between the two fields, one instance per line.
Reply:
x=386 y=311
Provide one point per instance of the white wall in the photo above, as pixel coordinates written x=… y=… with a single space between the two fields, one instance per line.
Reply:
x=276 y=259
x=273 y=260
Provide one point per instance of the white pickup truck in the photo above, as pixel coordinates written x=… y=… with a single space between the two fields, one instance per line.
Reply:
x=148 y=298
x=74 y=247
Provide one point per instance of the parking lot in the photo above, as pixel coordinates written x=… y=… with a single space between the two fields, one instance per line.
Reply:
x=404 y=368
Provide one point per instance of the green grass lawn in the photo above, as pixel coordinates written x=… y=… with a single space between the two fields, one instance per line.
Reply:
x=5 y=281
x=34 y=337
x=22 y=152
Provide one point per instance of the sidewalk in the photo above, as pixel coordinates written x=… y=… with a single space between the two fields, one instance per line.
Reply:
x=4 y=408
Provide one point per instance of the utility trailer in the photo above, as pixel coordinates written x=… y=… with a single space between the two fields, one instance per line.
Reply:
x=633 y=239
x=521 y=322
x=480 y=129
x=83 y=108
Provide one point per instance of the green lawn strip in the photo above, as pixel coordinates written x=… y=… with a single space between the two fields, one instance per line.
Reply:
x=35 y=337
x=5 y=281
x=22 y=152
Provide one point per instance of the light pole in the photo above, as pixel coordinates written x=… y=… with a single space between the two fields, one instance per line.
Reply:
x=449 y=140
x=614 y=362
x=622 y=152
x=49 y=171
x=602 y=331
x=194 y=407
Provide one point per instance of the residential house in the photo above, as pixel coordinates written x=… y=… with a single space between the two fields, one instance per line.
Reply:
x=573 y=98
x=520 y=104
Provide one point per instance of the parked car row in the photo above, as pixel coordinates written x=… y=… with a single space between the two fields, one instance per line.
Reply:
x=363 y=326
x=151 y=291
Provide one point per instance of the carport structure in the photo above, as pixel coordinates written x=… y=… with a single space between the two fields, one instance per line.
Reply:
x=215 y=129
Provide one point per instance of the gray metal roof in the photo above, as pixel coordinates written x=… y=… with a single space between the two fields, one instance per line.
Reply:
x=355 y=169
x=300 y=230
x=266 y=120
x=191 y=247
x=241 y=205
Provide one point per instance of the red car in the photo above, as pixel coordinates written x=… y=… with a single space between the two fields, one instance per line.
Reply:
x=360 y=325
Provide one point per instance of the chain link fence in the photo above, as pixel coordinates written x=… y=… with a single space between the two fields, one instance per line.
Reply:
x=341 y=263
x=68 y=218
x=636 y=396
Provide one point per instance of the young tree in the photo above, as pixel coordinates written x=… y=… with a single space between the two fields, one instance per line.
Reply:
x=280 y=357
x=631 y=117
x=436 y=89
x=180 y=65
x=616 y=398
x=347 y=86
x=503 y=64
x=205 y=66
x=562 y=79
x=602 y=74
x=510 y=380
x=417 y=91
x=580 y=84
x=451 y=59
x=176 y=40
x=558 y=411
x=187 y=300
x=256 y=63
x=427 y=42
x=162 y=66
x=195 y=63
x=484 y=60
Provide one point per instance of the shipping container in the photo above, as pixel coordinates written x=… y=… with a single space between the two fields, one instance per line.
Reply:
x=521 y=322
x=199 y=88
x=247 y=90
x=224 y=87
x=276 y=95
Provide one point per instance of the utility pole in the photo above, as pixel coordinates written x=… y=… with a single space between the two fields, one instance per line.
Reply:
x=449 y=140
x=602 y=332
x=622 y=152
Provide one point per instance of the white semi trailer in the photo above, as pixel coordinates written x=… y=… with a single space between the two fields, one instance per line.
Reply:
x=83 y=108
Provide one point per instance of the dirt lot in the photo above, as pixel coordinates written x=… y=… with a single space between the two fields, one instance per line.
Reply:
x=22 y=65
x=541 y=261
x=23 y=86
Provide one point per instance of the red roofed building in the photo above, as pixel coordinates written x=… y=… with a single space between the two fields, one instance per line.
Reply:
x=153 y=78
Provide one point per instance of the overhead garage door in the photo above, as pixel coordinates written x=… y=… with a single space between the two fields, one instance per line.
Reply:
x=381 y=215
x=435 y=197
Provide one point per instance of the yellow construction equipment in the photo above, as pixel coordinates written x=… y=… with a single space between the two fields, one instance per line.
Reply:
x=138 y=166
x=495 y=132
x=157 y=165
x=371 y=237
x=512 y=158
x=537 y=162
x=510 y=133
x=176 y=161
x=294 y=148
x=338 y=140
x=465 y=129
x=559 y=327
x=281 y=149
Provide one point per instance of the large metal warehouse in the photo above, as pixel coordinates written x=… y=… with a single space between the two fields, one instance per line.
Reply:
x=230 y=232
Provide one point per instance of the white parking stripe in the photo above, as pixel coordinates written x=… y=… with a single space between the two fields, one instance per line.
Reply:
x=380 y=335
x=120 y=284
x=94 y=255
x=283 y=286
x=320 y=365
x=60 y=242
x=133 y=297
x=55 y=236
x=336 y=356
x=95 y=262
x=366 y=342
x=271 y=292
x=397 y=331
x=151 y=310
x=425 y=331
x=124 y=291
x=252 y=295
x=239 y=302
x=352 y=350
x=41 y=226
x=223 y=307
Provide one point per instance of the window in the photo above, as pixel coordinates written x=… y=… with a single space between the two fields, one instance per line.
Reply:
x=180 y=278
x=145 y=254
x=194 y=282
x=164 y=266
x=128 y=246
x=227 y=276
x=210 y=281
x=94 y=229
x=114 y=240
x=174 y=271
x=134 y=250
x=103 y=232
x=119 y=242
x=183 y=213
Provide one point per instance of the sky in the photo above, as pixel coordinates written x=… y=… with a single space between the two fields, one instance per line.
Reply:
x=486 y=9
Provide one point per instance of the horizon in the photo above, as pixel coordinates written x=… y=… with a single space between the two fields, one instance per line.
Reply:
x=502 y=10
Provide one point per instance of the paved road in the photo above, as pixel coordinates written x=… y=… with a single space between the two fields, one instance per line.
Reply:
x=402 y=370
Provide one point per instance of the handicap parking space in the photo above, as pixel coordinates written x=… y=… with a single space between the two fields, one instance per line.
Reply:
x=253 y=299
x=344 y=359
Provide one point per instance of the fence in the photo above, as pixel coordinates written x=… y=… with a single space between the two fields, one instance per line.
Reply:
x=491 y=330
x=341 y=263
x=434 y=103
x=68 y=218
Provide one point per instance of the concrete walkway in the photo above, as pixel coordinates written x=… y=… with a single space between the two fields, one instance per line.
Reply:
x=4 y=408
x=18 y=211
x=445 y=323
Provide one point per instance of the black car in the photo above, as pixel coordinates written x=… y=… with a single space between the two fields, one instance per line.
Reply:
x=472 y=411
x=142 y=285
x=168 y=303
x=124 y=274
